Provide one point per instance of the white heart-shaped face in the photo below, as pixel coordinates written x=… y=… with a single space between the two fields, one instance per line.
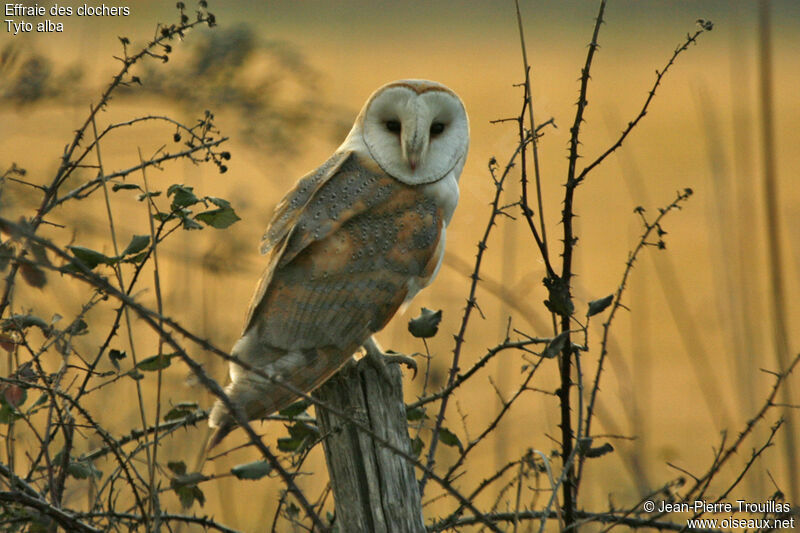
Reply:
x=416 y=130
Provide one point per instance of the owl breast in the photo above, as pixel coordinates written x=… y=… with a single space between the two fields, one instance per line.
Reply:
x=363 y=244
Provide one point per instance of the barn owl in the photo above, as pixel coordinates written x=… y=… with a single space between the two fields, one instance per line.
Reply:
x=354 y=241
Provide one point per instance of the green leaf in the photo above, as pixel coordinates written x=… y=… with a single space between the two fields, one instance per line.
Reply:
x=254 y=470
x=181 y=410
x=116 y=356
x=555 y=346
x=78 y=327
x=416 y=446
x=137 y=244
x=559 y=300
x=125 y=186
x=136 y=259
x=6 y=253
x=218 y=218
x=598 y=306
x=182 y=195
x=219 y=202
x=426 y=325
x=8 y=414
x=178 y=467
x=188 y=224
x=155 y=362
x=418 y=413
x=186 y=480
x=82 y=470
x=41 y=400
x=301 y=435
x=176 y=414
x=90 y=258
x=295 y=409
x=598 y=451
x=449 y=438
x=188 y=494
x=146 y=195
x=185 y=485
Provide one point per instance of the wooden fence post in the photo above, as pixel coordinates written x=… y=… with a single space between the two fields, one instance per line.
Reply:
x=374 y=489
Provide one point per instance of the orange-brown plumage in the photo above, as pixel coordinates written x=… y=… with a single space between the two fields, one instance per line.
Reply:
x=346 y=248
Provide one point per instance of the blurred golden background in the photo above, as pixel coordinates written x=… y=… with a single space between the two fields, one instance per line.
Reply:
x=684 y=364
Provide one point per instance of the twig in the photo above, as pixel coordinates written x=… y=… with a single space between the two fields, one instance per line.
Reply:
x=734 y=447
x=528 y=103
x=63 y=518
x=564 y=282
x=152 y=319
x=659 y=75
x=471 y=304
x=655 y=226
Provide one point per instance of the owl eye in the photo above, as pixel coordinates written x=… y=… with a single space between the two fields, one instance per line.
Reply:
x=393 y=126
x=437 y=128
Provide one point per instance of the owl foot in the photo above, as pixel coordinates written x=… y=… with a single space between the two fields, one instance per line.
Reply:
x=400 y=359
x=379 y=359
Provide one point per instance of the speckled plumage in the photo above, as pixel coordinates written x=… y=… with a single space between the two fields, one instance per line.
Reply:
x=346 y=248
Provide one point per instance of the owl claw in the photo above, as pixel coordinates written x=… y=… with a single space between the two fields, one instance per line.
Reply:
x=379 y=359
x=400 y=359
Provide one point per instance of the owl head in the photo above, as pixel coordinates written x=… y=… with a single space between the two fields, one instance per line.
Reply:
x=416 y=130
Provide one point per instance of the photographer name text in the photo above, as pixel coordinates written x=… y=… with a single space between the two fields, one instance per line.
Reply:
x=699 y=507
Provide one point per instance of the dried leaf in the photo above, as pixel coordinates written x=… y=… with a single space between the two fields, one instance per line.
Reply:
x=33 y=275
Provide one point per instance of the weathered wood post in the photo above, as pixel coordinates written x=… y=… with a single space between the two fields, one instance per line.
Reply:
x=374 y=489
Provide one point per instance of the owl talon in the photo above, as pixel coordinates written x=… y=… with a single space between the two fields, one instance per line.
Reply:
x=379 y=359
x=400 y=359
x=375 y=360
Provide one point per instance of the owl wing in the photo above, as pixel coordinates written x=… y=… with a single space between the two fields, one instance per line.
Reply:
x=345 y=247
x=287 y=213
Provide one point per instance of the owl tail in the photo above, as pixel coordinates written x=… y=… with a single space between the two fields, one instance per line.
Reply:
x=255 y=398
x=221 y=420
x=221 y=432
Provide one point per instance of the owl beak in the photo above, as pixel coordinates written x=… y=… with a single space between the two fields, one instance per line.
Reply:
x=414 y=151
x=415 y=138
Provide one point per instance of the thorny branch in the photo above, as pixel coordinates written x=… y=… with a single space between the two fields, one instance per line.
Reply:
x=471 y=303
